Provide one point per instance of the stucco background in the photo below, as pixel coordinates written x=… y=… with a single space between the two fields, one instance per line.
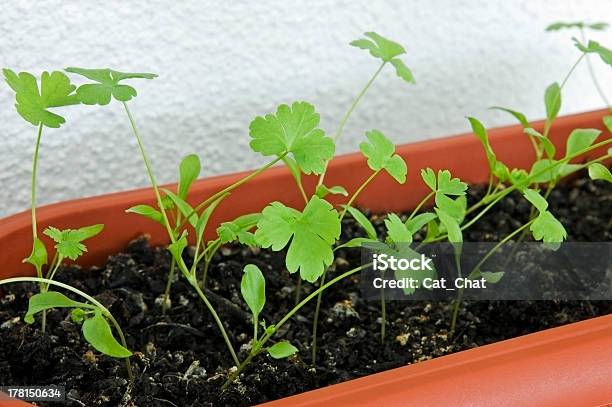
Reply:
x=222 y=63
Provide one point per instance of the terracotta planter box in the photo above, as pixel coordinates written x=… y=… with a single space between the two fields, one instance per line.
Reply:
x=571 y=365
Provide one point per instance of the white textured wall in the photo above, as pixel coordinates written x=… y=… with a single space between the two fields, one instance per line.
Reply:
x=221 y=63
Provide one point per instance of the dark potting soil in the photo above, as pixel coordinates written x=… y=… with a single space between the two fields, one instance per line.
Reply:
x=181 y=360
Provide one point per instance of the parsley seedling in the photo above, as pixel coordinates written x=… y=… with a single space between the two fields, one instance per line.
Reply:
x=591 y=47
x=93 y=316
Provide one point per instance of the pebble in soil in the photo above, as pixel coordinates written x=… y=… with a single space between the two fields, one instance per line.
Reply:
x=180 y=359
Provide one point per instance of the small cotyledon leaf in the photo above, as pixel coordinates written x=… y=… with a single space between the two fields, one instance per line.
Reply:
x=50 y=299
x=281 y=350
x=97 y=332
x=253 y=289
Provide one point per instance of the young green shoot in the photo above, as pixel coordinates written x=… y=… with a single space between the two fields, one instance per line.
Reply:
x=282 y=349
x=106 y=87
x=386 y=51
x=582 y=27
x=93 y=316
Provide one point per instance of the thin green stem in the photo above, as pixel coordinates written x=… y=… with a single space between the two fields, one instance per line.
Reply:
x=490 y=185
x=459 y=296
x=208 y=255
x=195 y=285
x=204 y=273
x=500 y=243
x=180 y=262
x=89 y=298
x=33 y=210
x=302 y=192
x=357 y=192
x=315 y=321
x=259 y=346
x=233 y=186
x=348 y=113
x=593 y=76
x=416 y=210
x=477 y=267
x=166 y=304
x=383 y=312
x=57 y=261
x=549 y=123
x=166 y=298
x=33 y=185
x=149 y=168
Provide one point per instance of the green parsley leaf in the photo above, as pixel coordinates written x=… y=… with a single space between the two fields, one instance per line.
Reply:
x=545 y=227
x=453 y=207
x=397 y=232
x=293 y=129
x=380 y=152
x=450 y=186
x=238 y=229
x=107 y=85
x=452 y=226
x=322 y=191
x=593 y=47
x=415 y=224
x=536 y=199
x=560 y=25
x=55 y=91
x=429 y=177
x=363 y=221
x=402 y=70
x=386 y=50
x=379 y=46
x=607 y=120
x=69 y=242
x=312 y=233
x=548 y=229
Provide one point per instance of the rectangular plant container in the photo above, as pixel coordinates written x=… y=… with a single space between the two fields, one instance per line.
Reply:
x=566 y=366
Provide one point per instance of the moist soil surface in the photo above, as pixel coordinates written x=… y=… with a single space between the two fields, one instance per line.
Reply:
x=181 y=360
